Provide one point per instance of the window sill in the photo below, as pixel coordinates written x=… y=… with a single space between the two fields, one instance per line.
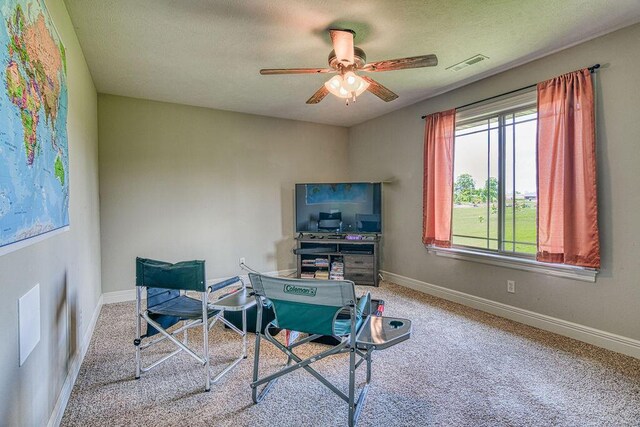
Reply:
x=559 y=270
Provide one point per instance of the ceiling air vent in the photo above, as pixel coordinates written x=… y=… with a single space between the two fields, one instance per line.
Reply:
x=464 y=64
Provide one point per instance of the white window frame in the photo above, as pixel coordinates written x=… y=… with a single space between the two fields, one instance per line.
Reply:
x=519 y=261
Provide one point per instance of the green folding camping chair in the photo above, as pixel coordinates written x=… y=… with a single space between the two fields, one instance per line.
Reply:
x=320 y=308
x=167 y=304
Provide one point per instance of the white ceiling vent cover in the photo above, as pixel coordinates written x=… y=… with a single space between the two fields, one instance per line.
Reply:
x=471 y=61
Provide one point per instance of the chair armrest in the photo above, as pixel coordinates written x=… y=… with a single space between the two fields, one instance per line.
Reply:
x=363 y=308
x=383 y=332
x=225 y=283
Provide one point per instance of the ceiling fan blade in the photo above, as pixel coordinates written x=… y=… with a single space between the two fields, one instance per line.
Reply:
x=343 y=45
x=378 y=90
x=402 y=63
x=318 y=96
x=269 y=71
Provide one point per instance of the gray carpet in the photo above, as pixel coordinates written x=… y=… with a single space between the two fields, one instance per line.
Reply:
x=462 y=367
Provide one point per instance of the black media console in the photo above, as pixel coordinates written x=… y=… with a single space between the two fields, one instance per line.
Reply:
x=335 y=256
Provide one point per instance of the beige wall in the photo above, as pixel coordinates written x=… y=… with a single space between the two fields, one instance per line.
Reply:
x=67 y=266
x=392 y=146
x=179 y=182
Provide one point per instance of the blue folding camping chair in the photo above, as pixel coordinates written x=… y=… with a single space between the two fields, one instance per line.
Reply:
x=167 y=304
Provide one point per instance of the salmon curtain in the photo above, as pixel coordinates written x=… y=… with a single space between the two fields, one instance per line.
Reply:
x=567 y=200
x=437 y=196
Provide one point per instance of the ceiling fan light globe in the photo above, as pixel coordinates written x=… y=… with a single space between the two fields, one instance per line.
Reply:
x=336 y=82
x=334 y=86
x=350 y=81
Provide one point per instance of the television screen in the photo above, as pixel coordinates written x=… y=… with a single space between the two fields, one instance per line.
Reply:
x=350 y=207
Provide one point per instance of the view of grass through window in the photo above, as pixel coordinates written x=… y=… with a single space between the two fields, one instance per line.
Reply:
x=495 y=197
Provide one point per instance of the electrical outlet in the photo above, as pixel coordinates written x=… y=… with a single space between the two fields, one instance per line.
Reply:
x=511 y=286
x=242 y=260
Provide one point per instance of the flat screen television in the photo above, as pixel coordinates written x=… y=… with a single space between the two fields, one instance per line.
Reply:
x=344 y=207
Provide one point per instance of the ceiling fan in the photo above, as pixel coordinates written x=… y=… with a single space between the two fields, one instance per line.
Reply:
x=346 y=59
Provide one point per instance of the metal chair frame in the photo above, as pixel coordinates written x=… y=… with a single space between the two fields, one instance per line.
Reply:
x=208 y=319
x=358 y=354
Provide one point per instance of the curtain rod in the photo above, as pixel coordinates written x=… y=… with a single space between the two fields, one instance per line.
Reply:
x=591 y=69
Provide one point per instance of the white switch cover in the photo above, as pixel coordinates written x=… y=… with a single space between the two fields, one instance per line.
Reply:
x=29 y=322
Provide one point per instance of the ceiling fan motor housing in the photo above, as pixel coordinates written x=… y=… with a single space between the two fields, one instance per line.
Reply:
x=359 y=59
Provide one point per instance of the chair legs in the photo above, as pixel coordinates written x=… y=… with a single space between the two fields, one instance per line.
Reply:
x=352 y=368
x=138 y=330
x=182 y=344
x=355 y=404
x=205 y=342
x=352 y=386
x=256 y=358
x=244 y=334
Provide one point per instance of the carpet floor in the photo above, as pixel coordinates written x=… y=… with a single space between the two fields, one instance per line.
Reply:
x=461 y=367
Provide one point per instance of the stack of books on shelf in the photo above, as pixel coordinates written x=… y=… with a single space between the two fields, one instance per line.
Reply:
x=322 y=262
x=337 y=271
x=322 y=274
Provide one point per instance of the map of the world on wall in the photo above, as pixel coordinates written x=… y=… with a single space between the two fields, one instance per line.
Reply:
x=34 y=156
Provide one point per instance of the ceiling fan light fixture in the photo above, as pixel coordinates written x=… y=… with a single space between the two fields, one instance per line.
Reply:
x=347 y=86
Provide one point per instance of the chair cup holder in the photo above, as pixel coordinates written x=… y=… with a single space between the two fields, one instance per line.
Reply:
x=396 y=324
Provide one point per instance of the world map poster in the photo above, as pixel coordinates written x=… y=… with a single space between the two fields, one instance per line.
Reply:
x=34 y=156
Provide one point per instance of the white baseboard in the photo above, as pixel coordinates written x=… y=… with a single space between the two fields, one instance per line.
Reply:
x=119 y=296
x=130 y=294
x=74 y=369
x=617 y=343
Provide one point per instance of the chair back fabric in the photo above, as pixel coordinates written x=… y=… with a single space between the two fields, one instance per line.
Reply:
x=185 y=275
x=164 y=281
x=309 y=306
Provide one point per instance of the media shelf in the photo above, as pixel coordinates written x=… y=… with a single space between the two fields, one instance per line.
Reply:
x=337 y=257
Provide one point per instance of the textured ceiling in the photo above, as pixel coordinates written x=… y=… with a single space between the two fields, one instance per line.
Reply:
x=208 y=52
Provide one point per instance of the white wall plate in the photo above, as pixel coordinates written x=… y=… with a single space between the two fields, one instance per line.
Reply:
x=29 y=322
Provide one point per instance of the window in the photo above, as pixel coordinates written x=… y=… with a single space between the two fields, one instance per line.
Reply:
x=495 y=176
